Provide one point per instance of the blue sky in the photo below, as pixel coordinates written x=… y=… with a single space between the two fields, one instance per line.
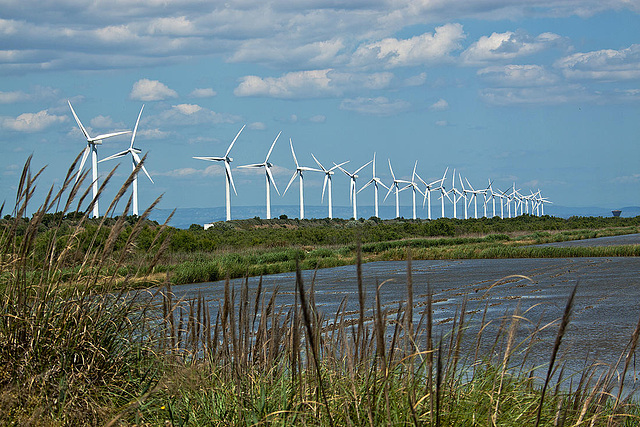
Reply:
x=543 y=93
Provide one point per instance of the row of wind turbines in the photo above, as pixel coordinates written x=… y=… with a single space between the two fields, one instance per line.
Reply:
x=532 y=203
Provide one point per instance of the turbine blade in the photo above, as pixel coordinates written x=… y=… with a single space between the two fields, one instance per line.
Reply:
x=233 y=142
x=115 y=156
x=108 y=135
x=324 y=185
x=85 y=154
x=84 y=131
x=363 y=166
x=391 y=169
x=293 y=177
x=230 y=177
x=255 y=165
x=211 y=159
x=366 y=185
x=339 y=165
x=272 y=179
x=388 y=192
x=319 y=164
x=272 y=145
x=294 y=154
x=135 y=128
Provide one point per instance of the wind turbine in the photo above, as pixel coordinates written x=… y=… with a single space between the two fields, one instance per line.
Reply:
x=395 y=185
x=375 y=181
x=443 y=192
x=298 y=172
x=457 y=195
x=135 y=160
x=414 y=188
x=267 y=174
x=92 y=143
x=474 y=197
x=229 y=179
x=352 y=186
x=427 y=193
x=328 y=173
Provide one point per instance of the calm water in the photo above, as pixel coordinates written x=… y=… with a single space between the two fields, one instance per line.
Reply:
x=606 y=307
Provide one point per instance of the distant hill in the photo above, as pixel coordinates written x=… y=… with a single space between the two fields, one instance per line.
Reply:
x=184 y=217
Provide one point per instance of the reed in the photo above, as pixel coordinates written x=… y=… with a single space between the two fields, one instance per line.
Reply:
x=76 y=352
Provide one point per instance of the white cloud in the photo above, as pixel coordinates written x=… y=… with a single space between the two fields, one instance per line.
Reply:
x=311 y=84
x=545 y=95
x=203 y=93
x=102 y=122
x=607 y=64
x=190 y=114
x=518 y=75
x=442 y=123
x=380 y=106
x=257 y=126
x=151 y=90
x=417 y=80
x=318 y=118
x=439 y=105
x=280 y=50
x=32 y=122
x=423 y=49
x=212 y=170
x=507 y=46
x=12 y=97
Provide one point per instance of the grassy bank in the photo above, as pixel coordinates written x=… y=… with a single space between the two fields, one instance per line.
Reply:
x=73 y=354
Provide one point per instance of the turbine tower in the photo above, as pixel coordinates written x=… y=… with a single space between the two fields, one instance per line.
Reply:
x=299 y=172
x=427 y=193
x=352 y=186
x=135 y=160
x=92 y=143
x=375 y=181
x=328 y=173
x=414 y=188
x=395 y=185
x=228 y=178
x=268 y=175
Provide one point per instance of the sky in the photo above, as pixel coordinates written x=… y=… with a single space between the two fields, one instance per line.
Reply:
x=542 y=93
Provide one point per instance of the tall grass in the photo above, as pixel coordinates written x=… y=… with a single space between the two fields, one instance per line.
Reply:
x=74 y=352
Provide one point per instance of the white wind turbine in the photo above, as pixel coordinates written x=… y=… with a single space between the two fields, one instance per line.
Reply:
x=328 y=174
x=135 y=160
x=352 y=186
x=474 y=197
x=298 y=172
x=375 y=181
x=395 y=185
x=427 y=193
x=443 y=192
x=457 y=195
x=414 y=188
x=92 y=143
x=228 y=178
x=268 y=175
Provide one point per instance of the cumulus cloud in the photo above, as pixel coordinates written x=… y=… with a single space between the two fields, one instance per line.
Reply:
x=32 y=122
x=607 y=64
x=318 y=118
x=546 y=95
x=507 y=46
x=423 y=49
x=380 y=106
x=518 y=75
x=439 y=105
x=151 y=90
x=417 y=80
x=191 y=114
x=310 y=84
x=212 y=170
x=203 y=93
x=257 y=126
x=12 y=97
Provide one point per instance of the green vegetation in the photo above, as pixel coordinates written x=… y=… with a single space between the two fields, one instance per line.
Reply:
x=73 y=351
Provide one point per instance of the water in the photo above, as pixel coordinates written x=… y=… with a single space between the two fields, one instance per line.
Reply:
x=606 y=307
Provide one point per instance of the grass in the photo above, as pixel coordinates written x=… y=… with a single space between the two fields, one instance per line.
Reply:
x=75 y=351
